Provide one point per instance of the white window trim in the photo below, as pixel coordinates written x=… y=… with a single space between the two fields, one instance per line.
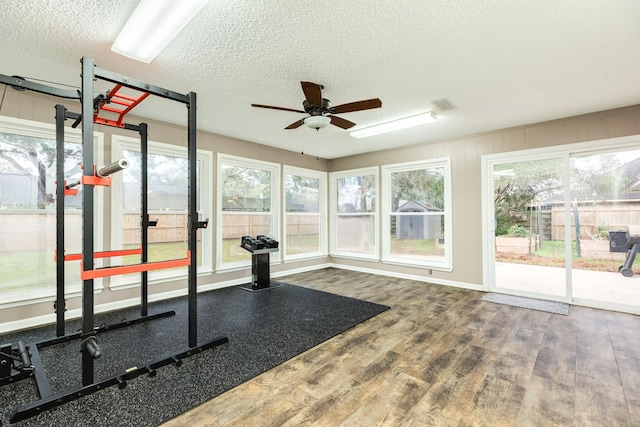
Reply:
x=120 y=143
x=387 y=257
x=48 y=131
x=333 y=206
x=322 y=213
x=276 y=185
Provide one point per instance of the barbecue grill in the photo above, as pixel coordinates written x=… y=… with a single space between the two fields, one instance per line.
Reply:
x=626 y=241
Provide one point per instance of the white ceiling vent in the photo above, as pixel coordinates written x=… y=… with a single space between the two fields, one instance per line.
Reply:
x=444 y=104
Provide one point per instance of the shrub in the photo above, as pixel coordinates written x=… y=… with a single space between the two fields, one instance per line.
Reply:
x=517 y=231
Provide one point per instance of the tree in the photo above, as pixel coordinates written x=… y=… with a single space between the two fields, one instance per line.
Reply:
x=245 y=184
x=517 y=185
x=421 y=185
x=31 y=156
x=301 y=192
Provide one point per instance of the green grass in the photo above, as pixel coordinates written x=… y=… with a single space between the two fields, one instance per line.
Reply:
x=303 y=244
x=26 y=270
x=416 y=247
x=555 y=248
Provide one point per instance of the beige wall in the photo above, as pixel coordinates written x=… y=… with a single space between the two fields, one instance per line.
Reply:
x=465 y=154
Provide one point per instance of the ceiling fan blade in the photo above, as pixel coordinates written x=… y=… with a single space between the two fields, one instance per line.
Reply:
x=313 y=93
x=295 y=125
x=278 y=108
x=341 y=123
x=367 y=104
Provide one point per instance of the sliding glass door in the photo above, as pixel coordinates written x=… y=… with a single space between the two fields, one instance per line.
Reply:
x=561 y=222
x=605 y=194
x=529 y=256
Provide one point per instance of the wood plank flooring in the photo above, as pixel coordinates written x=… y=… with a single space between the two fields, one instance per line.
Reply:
x=442 y=357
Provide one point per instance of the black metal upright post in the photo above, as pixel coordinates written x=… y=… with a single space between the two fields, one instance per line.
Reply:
x=87 y=212
x=144 y=197
x=192 y=220
x=60 y=184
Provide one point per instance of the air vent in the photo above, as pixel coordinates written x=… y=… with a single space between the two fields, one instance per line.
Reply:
x=444 y=105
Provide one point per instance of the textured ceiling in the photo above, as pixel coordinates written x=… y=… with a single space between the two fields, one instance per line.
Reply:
x=503 y=63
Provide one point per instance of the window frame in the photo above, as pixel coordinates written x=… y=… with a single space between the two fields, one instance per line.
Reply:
x=276 y=185
x=120 y=143
x=387 y=170
x=42 y=130
x=333 y=206
x=322 y=212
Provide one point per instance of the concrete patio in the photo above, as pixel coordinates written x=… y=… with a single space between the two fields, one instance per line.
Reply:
x=608 y=287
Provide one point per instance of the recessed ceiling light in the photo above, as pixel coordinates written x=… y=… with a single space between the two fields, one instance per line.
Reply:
x=153 y=25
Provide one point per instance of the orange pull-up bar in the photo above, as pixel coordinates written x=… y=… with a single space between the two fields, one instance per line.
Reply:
x=124 y=100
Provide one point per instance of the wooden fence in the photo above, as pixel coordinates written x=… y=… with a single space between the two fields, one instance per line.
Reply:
x=592 y=217
x=37 y=231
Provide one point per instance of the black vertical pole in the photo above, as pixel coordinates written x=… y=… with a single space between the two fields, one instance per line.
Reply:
x=60 y=304
x=144 y=210
x=192 y=220
x=87 y=212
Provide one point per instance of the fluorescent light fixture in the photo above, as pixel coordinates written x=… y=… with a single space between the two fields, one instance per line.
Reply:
x=407 y=122
x=153 y=25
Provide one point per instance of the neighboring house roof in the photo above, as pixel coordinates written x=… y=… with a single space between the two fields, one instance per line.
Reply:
x=412 y=205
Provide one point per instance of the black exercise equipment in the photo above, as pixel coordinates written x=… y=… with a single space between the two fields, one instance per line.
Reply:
x=626 y=241
x=23 y=361
x=260 y=247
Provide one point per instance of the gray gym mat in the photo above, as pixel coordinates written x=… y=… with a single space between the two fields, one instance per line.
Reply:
x=530 y=303
x=264 y=329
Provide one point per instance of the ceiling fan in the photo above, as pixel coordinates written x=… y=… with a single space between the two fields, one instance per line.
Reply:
x=320 y=110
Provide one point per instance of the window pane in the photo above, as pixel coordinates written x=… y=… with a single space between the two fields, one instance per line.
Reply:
x=303 y=233
x=355 y=233
x=356 y=194
x=417 y=190
x=417 y=236
x=27 y=212
x=234 y=226
x=168 y=204
x=302 y=193
x=168 y=181
x=245 y=189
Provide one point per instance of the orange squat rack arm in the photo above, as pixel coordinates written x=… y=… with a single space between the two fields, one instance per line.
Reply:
x=133 y=268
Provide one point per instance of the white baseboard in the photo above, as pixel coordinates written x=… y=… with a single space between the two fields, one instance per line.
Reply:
x=415 y=277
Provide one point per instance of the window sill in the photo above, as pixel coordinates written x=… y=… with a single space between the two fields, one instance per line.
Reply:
x=38 y=296
x=424 y=265
x=355 y=257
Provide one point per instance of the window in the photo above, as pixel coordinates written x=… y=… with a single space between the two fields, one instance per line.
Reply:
x=27 y=209
x=305 y=213
x=353 y=206
x=167 y=174
x=248 y=199
x=416 y=204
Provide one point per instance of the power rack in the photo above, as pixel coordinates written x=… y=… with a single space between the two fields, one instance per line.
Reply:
x=23 y=360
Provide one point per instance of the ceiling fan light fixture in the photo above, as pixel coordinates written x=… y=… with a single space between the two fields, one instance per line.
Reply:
x=317 y=122
x=407 y=122
x=152 y=25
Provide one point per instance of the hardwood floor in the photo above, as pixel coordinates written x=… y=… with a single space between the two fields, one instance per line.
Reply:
x=442 y=357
